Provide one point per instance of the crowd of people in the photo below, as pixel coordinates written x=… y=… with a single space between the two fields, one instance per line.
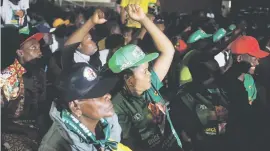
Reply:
x=133 y=78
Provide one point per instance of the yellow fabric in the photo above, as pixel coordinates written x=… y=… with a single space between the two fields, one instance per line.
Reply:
x=185 y=75
x=121 y=147
x=144 y=6
x=101 y=44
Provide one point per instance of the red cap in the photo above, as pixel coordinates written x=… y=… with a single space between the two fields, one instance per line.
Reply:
x=181 y=46
x=248 y=45
x=36 y=36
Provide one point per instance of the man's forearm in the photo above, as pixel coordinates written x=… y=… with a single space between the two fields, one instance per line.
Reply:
x=80 y=33
x=123 y=15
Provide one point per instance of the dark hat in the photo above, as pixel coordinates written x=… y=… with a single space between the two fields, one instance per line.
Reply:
x=45 y=28
x=24 y=37
x=67 y=55
x=33 y=34
x=114 y=41
x=81 y=81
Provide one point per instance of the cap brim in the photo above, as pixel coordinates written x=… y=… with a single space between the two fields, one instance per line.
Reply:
x=52 y=30
x=103 y=87
x=147 y=58
x=259 y=54
x=207 y=35
x=229 y=33
x=37 y=36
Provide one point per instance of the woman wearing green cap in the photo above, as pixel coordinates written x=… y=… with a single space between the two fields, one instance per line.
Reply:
x=139 y=105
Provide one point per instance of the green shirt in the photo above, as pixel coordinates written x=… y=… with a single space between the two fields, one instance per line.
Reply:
x=134 y=116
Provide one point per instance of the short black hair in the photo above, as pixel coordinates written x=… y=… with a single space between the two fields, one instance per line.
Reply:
x=112 y=25
x=114 y=41
x=126 y=30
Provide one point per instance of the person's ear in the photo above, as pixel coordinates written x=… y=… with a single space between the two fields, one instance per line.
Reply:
x=80 y=46
x=19 y=52
x=239 y=58
x=128 y=80
x=75 y=108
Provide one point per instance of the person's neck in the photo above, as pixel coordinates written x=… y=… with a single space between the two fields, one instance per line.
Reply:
x=80 y=51
x=21 y=61
x=134 y=92
x=89 y=123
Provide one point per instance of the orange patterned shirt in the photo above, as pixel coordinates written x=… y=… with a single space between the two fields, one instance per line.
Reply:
x=12 y=86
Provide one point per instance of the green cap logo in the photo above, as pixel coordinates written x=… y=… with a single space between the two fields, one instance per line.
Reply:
x=129 y=56
x=219 y=34
x=197 y=35
x=232 y=27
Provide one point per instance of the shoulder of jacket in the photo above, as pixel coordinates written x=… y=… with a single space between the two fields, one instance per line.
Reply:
x=118 y=99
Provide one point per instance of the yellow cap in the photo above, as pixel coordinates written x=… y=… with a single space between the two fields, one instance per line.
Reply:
x=57 y=22
x=185 y=75
x=66 y=22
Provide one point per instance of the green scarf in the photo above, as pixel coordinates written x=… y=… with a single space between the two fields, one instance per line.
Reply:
x=250 y=87
x=74 y=125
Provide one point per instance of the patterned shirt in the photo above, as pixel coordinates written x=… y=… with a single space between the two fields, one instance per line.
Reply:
x=12 y=86
x=22 y=94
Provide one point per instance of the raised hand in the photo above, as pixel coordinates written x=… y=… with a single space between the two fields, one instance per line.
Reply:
x=135 y=12
x=20 y=13
x=151 y=17
x=98 y=17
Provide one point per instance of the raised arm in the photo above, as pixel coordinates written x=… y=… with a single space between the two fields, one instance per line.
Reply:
x=163 y=44
x=79 y=34
x=123 y=15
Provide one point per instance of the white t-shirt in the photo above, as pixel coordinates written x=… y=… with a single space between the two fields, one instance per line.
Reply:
x=7 y=12
x=79 y=57
x=103 y=54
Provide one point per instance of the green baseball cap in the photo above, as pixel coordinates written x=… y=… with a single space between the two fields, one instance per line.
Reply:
x=219 y=34
x=129 y=56
x=231 y=28
x=197 y=35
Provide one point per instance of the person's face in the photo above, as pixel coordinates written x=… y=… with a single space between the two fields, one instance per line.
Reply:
x=141 y=78
x=48 y=38
x=88 y=46
x=96 y=108
x=128 y=37
x=161 y=27
x=116 y=30
x=250 y=59
x=80 y=20
x=30 y=50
